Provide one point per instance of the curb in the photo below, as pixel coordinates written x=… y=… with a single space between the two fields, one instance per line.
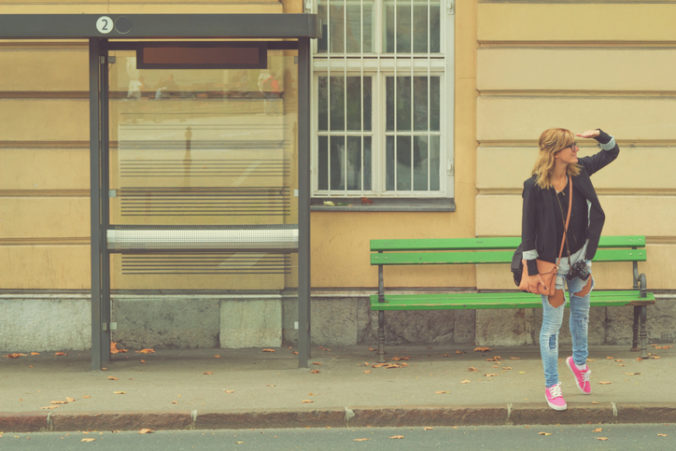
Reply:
x=519 y=414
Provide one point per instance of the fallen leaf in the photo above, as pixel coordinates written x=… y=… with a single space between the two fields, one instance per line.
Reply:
x=115 y=350
x=230 y=391
x=58 y=402
x=545 y=433
x=379 y=365
x=208 y=373
x=295 y=352
x=15 y=355
x=441 y=392
x=428 y=428
x=603 y=439
x=239 y=442
x=396 y=437
x=88 y=440
x=314 y=371
x=307 y=401
x=146 y=351
x=610 y=357
x=471 y=368
x=120 y=392
x=87 y=397
x=598 y=430
x=268 y=350
x=605 y=382
x=482 y=349
x=663 y=435
x=146 y=431
x=367 y=371
x=363 y=439
x=59 y=354
x=465 y=381
x=371 y=348
x=49 y=407
x=389 y=366
x=632 y=374
x=506 y=368
x=459 y=352
x=490 y=374
x=397 y=358
x=35 y=353
x=142 y=362
x=113 y=378
x=317 y=363
x=217 y=356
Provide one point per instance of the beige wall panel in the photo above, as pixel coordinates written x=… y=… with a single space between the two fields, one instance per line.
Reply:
x=44 y=217
x=45 y=267
x=44 y=169
x=576 y=22
x=44 y=120
x=340 y=257
x=524 y=118
x=644 y=168
x=608 y=276
x=652 y=216
x=632 y=69
x=141 y=7
x=42 y=67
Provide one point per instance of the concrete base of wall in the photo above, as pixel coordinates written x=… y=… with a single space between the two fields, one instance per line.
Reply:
x=44 y=322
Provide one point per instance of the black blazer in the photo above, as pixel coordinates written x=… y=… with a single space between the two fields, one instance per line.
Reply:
x=538 y=227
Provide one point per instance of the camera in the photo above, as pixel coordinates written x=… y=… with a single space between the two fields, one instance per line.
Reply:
x=578 y=270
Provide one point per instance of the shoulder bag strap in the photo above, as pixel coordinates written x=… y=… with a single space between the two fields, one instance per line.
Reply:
x=565 y=228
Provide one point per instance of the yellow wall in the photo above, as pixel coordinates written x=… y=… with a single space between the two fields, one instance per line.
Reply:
x=340 y=240
x=44 y=142
x=520 y=67
x=580 y=66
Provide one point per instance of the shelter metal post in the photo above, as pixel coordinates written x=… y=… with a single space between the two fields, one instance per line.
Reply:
x=304 y=340
x=98 y=154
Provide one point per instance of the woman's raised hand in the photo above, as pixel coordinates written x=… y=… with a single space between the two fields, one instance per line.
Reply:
x=589 y=133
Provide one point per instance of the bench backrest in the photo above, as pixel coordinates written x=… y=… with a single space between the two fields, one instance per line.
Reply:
x=445 y=251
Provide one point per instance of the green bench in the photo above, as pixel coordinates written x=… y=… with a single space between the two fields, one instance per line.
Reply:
x=477 y=251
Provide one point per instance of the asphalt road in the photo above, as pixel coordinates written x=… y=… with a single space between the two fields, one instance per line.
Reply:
x=653 y=437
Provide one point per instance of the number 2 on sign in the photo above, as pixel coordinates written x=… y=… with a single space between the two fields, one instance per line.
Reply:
x=104 y=24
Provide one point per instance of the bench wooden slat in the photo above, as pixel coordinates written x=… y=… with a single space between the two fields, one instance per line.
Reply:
x=497 y=300
x=439 y=244
x=474 y=257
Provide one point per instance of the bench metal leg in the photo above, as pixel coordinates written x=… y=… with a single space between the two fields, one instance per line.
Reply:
x=639 y=340
x=644 y=332
x=381 y=336
x=635 y=326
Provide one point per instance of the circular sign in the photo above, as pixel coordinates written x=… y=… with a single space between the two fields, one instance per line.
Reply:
x=104 y=24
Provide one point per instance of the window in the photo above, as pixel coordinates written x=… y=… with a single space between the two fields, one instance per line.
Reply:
x=382 y=92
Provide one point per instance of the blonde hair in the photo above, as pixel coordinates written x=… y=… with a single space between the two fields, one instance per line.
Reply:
x=552 y=141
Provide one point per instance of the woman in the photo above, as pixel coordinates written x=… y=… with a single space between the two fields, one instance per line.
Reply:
x=545 y=207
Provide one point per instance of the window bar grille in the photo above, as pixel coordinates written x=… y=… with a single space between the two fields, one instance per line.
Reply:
x=429 y=96
x=346 y=150
x=329 y=137
x=394 y=95
x=412 y=141
x=361 y=94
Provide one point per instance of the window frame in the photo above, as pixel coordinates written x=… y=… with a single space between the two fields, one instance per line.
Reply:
x=379 y=66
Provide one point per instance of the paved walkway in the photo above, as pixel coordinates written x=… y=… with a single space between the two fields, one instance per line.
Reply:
x=426 y=386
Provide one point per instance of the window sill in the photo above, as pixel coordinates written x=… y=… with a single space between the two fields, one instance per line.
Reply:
x=382 y=204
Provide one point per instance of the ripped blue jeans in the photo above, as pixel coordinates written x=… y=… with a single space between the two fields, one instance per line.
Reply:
x=552 y=318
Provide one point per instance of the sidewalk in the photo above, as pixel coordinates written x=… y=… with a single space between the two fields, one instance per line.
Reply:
x=429 y=386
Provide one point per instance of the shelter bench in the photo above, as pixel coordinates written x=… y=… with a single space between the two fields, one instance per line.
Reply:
x=477 y=251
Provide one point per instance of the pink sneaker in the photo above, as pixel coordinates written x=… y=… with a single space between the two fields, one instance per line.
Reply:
x=555 y=398
x=581 y=376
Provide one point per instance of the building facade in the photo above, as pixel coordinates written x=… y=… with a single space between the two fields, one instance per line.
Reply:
x=425 y=119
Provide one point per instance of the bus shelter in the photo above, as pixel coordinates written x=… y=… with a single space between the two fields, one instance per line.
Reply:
x=199 y=153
